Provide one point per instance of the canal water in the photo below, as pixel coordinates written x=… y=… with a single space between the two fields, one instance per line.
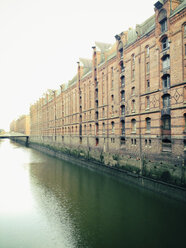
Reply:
x=49 y=203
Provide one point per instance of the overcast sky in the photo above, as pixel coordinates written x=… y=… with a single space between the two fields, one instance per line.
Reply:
x=41 y=41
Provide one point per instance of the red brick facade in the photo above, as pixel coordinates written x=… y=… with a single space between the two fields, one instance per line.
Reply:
x=130 y=98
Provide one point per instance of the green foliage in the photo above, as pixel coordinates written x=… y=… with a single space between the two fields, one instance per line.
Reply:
x=166 y=176
x=115 y=157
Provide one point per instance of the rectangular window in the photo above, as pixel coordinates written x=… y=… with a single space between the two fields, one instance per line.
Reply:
x=148 y=84
x=148 y=102
x=148 y=68
x=166 y=62
x=163 y=26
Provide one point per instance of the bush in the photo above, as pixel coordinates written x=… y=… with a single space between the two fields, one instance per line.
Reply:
x=166 y=176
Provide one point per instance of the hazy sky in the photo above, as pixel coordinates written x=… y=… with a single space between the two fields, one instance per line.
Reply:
x=41 y=41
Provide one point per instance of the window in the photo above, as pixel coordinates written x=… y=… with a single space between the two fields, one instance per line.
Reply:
x=90 y=129
x=148 y=124
x=133 y=105
x=122 y=127
x=103 y=127
x=166 y=62
x=166 y=81
x=85 y=129
x=120 y=49
x=163 y=24
x=148 y=84
x=133 y=91
x=145 y=142
x=166 y=101
x=97 y=115
x=112 y=83
x=103 y=112
x=97 y=141
x=166 y=122
x=122 y=110
x=112 y=123
x=164 y=43
x=122 y=81
x=150 y=142
x=112 y=109
x=122 y=66
x=122 y=141
x=147 y=102
x=112 y=97
x=133 y=122
x=148 y=68
x=147 y=51
x=97 y=128
x=112 y=71
x=133 y=74
x=133 y=58
x=122 y=95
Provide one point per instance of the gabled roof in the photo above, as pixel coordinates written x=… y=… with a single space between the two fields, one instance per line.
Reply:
x=103 y=46
x=179 y=8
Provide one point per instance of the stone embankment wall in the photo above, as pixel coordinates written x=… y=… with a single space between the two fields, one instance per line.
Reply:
x=158 y=176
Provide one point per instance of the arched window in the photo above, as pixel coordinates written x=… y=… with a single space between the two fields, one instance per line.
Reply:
x=133 y=106
x=122 y=81
x=166 y=61
x=133 y=58
x=122 y=109
x=103 y=112
x=147 y=51
x=90 y=129
x=85 y=129
x=103 y=127
x=133 y=122
x=147 y=102
x=122 y=66
x=113 y=126
x=120 y=49
x=166 y=81
x=112 y=109
x=148 y=124
x=112 y=97
x=164 y=43
x=133 y=91
x=122 y=95
x=166 y=101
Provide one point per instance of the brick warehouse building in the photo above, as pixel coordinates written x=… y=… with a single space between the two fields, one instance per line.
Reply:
x=126 y=106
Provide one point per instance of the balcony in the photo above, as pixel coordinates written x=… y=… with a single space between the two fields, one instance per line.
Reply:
x=165 y=111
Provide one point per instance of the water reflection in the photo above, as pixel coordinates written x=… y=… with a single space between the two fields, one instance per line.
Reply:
x=52 y=203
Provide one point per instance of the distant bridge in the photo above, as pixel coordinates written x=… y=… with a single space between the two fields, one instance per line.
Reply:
x=13 y=135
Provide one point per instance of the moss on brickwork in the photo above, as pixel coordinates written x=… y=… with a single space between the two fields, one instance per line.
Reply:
x=162 y=171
